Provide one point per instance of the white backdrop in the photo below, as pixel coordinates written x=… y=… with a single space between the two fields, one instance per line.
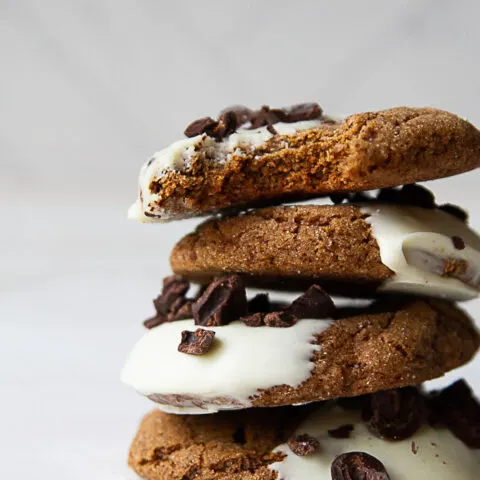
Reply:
x=89 y=89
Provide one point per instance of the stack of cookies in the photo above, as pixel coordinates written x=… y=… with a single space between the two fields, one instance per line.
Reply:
x=256 y=371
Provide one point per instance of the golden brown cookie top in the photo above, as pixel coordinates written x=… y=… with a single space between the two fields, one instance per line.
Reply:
x=403 y=430
x=306 y=158
x=353 y=249
x=272 y=354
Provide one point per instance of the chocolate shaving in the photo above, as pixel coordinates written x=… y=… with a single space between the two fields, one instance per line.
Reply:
x=341 y=432
x=414 y=448
x=395 y=414
x=223 y=301
x=303 y=444
x=242 y=114
x=198 y=342
x=459 y=410
x=302 y=112
x=232 y=118
x=279 y=319
x=358 y=466
x=314 y=303
x=171 y=304
x=458 y=242
x=173 y=287
x=202 y=125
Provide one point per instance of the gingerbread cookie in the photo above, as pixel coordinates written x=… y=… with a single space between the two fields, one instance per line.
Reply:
x=269 y=355
x=248 y=158
x=353 y=248
x=389 y=434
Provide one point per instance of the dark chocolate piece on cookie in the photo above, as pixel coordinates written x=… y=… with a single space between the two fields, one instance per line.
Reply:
x=395 y=414
x=454 y=210
x=303 y=444
x=259 y=303
x=202 y=125
x=198 y=342
x=171 y=304
x=343 y=431
x=223 y=301
x=358 y=466
x=458 y=243
x=459 y=410
x=174 y=287
x=314 y=303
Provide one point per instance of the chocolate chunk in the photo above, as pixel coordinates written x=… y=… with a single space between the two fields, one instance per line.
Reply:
x=341 y=432
x=314 y=303
x=458 y=243
x=254 y=320
x=174 y=287
x=181 y=310
x=395 y=414
x=303 y=444
x=202 y=125
x=259 y=303
x=414 y=448
x=418 y=196
x=227 y=125
x=155 y=321
x=223 y=301
x=339 y=198
x=389 y=195
x=242 y=114
x=302 y=111
x=459 y=410
x=455 y=211
x=265 y=116
x=198 y=342
x=279 y=319
x=358 y=466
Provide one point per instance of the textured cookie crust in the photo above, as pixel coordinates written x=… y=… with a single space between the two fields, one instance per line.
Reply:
x=366 y=151
x=399 y=345
x=299 y=243
x=393 y=343
x=235 y=445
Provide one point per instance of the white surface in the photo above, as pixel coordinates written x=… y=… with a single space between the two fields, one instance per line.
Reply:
x=242 y=361
x=88 y=90
x=439 y=455
x=416 y=242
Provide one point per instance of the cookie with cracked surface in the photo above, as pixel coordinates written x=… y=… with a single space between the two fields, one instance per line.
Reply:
x=304 y=442
x=385 y=247
x=392 y=343
x=229 y=445
x=304 y=159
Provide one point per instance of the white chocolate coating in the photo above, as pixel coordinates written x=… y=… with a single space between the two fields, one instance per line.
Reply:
x=178 y=155
x=439 y=455
x=415 y=242
x=242 y=360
